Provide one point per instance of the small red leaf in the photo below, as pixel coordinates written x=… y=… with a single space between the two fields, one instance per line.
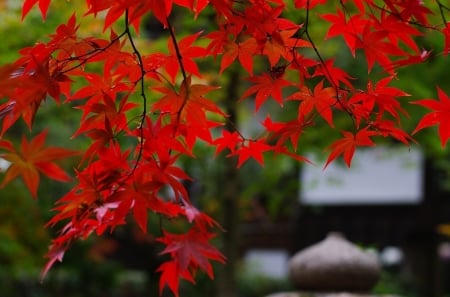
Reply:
x=346 y=146
x=440 y=115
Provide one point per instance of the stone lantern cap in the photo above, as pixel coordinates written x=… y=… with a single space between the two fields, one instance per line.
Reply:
x=334 y=265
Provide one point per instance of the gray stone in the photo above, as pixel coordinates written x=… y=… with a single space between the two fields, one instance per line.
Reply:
x=333 y=265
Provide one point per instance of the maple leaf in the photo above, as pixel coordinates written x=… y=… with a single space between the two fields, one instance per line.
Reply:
x=170 y=277
x=190 y=107
x=28 y=88
x=253 y=149
x=334 y=75
x=397 y=30
x=388 y=128
x=382 y=96
x=439 y=116
x=189 y=251
x=349 y=30
x=161 y=10
x=415 y=10
x=244 y=51
x=346 y=146
x=446 y=33
x=322 y=100
x=140 y=195
x=229 y=140
x=377 y=49
x=165 y=172
x=410 y=59
x=55 y=253
x=160 y=139
x=281 y=44
x=265 y=86
x=310 y=4
x=287 y=130
x=196 y=6
x=99 y=86
x=33 y=158
x=188 y=52
x=104 y=115
x=43 y=7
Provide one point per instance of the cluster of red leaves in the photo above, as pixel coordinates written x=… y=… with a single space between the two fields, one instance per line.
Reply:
x=115 y=179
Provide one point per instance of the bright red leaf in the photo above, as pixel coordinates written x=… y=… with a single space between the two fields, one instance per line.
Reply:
x=190 y=250
x=252 y=149
x=346 y=146
x=446 y=33
x=244 y=51
x=440 y=115
x=266 y=86
x=322 y=99
x=188 y=51
x=43 y=7
x=31 y=159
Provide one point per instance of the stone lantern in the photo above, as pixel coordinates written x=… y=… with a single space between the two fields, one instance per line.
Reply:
x=332 y=267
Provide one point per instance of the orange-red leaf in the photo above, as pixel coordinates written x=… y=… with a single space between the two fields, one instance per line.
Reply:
x=33 y=157
x=346 y=146
x=244 y=51
x=322 y=100
x=265 y=86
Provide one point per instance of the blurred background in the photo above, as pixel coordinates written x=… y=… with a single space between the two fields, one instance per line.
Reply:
x=394 y=200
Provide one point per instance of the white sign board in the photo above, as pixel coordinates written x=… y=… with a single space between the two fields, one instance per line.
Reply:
x=267 y=262
x=379 y=175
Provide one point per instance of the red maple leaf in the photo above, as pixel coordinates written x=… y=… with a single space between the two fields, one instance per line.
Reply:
x=228 y=140
x=349 y=30
x=310 y=4
x=439 y=116
x=244 y=51
x=188 y=52
x=190 y=251
x=446 y=33
x=322 y=100
x=140 y=195
x=253 y=149
x=410 y=10
x=334 y=75
x=189 y=107
x=388 y=128
x=287 y=130
x=377 y=48
x=28 y=4
x=196 y=6
x=31 y=159
x=382 y=96
x=266 y=85
x=397 y=30
x=346 y=146
x=281 y=44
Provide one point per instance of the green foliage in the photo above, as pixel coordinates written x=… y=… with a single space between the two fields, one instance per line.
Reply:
x=260 y=285
x=23 y=237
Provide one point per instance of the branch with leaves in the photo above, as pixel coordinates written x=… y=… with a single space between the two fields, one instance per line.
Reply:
x=116 y=177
